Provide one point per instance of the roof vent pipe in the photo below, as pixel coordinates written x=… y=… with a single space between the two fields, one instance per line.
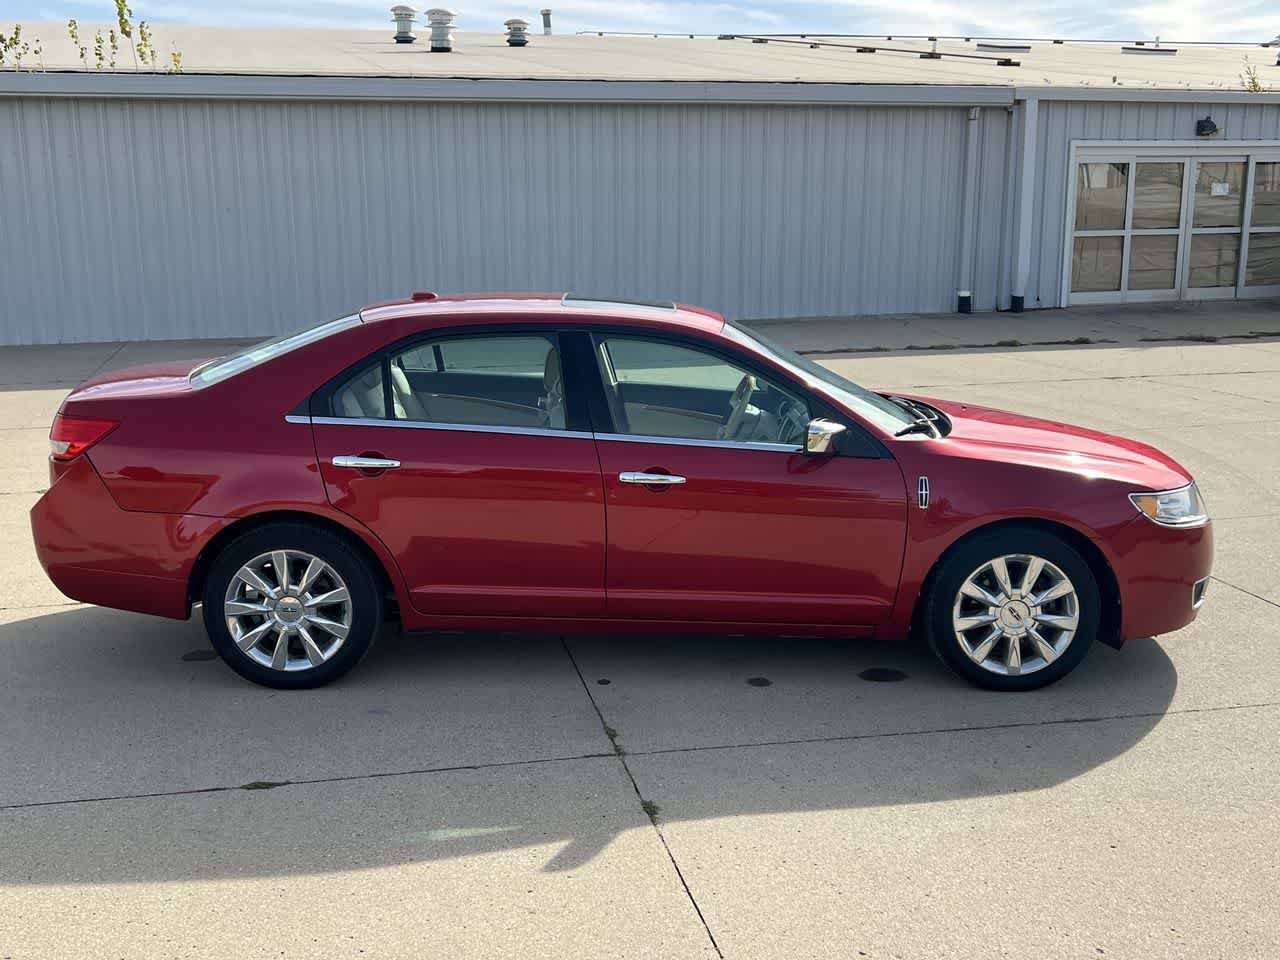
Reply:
x=403 y=18
x=517 y=32
x=441 y=30
x=546 y=22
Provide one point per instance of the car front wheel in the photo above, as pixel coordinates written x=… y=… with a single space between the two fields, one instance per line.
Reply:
x=1013 y=609
x=291 y=606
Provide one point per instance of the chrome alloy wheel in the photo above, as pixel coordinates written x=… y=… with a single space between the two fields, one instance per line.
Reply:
x=288 y=610
x=1015 y=614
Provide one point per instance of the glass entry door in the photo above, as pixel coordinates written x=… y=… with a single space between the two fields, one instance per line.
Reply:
x=1127 y=238
x=1262 y=236
x=1174 y=227
x=1217 y=224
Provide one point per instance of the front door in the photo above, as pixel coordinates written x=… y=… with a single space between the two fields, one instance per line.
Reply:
x=1157 y=226
x=715 y=514
x=468 y=469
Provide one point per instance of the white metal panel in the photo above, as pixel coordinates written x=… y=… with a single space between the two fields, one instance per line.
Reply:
x=1115 y=123
x=155 y=219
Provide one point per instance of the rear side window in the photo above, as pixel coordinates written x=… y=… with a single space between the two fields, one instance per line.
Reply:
x=215 y=371
x=362 y=397
x=516 y=356
x=498 y=380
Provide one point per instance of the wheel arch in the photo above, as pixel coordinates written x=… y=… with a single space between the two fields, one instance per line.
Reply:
x=1099 y=565
x=374 y=552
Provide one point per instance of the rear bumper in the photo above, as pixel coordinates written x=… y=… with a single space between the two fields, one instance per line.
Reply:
x=97 y=553
x=1162 y=572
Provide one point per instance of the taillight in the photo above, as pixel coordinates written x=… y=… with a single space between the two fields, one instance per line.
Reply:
x=71 y=436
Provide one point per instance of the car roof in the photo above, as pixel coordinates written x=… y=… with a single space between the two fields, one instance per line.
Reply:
x=432 y=309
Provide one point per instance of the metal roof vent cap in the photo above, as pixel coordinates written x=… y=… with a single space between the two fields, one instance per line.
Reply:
x=441 y=21
x=517 y=32
x=403 y=17
x=546 y=21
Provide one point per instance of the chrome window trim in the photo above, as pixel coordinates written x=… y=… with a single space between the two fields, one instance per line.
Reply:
x=197 y=379
x=691 y=442
x=545 y=432
x=457 y=427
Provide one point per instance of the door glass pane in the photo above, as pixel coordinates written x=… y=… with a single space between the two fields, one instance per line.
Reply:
x=661 y=389
x=1101 y=193
x=1096 y=263
x=1157 y=196
x=1266 y=195
x=1219 y=195
x=513 y=355
x=1153 y=262
x=362 y=397
x=1263 y=267
x=494 y=381
x=1215 y=258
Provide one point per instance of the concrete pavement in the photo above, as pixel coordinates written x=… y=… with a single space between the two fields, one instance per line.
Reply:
x=1137 y=324
x=658 y=796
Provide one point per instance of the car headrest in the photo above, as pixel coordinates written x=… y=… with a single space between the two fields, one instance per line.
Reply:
x=552 y=377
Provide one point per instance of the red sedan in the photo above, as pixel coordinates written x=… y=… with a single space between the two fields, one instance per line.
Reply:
x=562 y=463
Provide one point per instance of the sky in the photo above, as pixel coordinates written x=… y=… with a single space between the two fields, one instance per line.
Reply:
x=1243 y=20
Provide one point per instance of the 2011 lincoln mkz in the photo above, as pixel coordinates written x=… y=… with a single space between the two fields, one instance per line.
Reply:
x=560 y=463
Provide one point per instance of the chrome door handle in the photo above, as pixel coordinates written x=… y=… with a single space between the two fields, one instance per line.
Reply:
x=365 y=463
x=650 y=479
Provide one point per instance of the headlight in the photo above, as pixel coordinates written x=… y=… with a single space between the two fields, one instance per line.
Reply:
x=1183 y=507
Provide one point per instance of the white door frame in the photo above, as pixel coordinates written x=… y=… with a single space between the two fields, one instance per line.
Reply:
x=1189 y=151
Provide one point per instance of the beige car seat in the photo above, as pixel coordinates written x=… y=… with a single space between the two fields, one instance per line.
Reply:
x=362 y=398
x=553 y=384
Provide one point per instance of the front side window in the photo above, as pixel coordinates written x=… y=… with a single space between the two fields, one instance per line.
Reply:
x=878 y=409
x=496 y=381
x=661 y=389
x=218 y=370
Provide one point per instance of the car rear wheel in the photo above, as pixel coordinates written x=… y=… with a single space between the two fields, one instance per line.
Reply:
x=1013 y=609
x=291 y=606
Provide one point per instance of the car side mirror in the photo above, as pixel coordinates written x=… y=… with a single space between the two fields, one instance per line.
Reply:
x=820 y=435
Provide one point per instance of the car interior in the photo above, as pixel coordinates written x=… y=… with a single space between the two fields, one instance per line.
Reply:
x=652 y=388
x=665 y=390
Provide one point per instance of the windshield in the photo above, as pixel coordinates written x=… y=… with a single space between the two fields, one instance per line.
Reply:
x=881 y=411
x=220 y=369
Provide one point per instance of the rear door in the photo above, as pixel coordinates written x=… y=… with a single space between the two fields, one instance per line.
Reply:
x=715 y=513
x=466 y=455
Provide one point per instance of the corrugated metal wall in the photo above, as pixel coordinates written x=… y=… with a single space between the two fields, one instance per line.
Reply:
x=132 y=219
x=1062 y=122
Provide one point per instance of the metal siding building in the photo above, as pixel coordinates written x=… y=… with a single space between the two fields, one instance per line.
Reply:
x=225 y=205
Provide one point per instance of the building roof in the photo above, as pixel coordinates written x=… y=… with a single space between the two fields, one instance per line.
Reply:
x=297 y=52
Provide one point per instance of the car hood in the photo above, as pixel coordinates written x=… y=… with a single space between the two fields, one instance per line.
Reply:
x=990 y=434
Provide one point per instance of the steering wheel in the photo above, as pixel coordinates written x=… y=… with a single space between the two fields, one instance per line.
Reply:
x=794 y=417
x=738 y=405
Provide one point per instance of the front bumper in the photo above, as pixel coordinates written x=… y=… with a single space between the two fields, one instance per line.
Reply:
x=95 y=552
x=1162 y=573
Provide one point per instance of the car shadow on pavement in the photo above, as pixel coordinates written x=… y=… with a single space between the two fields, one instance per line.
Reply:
x=456 y=746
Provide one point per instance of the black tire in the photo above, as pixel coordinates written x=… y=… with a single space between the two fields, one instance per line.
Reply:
x=360 y=581
x=966 y=558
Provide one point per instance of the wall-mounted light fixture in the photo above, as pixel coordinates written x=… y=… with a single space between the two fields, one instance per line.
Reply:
x=1206 y=127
